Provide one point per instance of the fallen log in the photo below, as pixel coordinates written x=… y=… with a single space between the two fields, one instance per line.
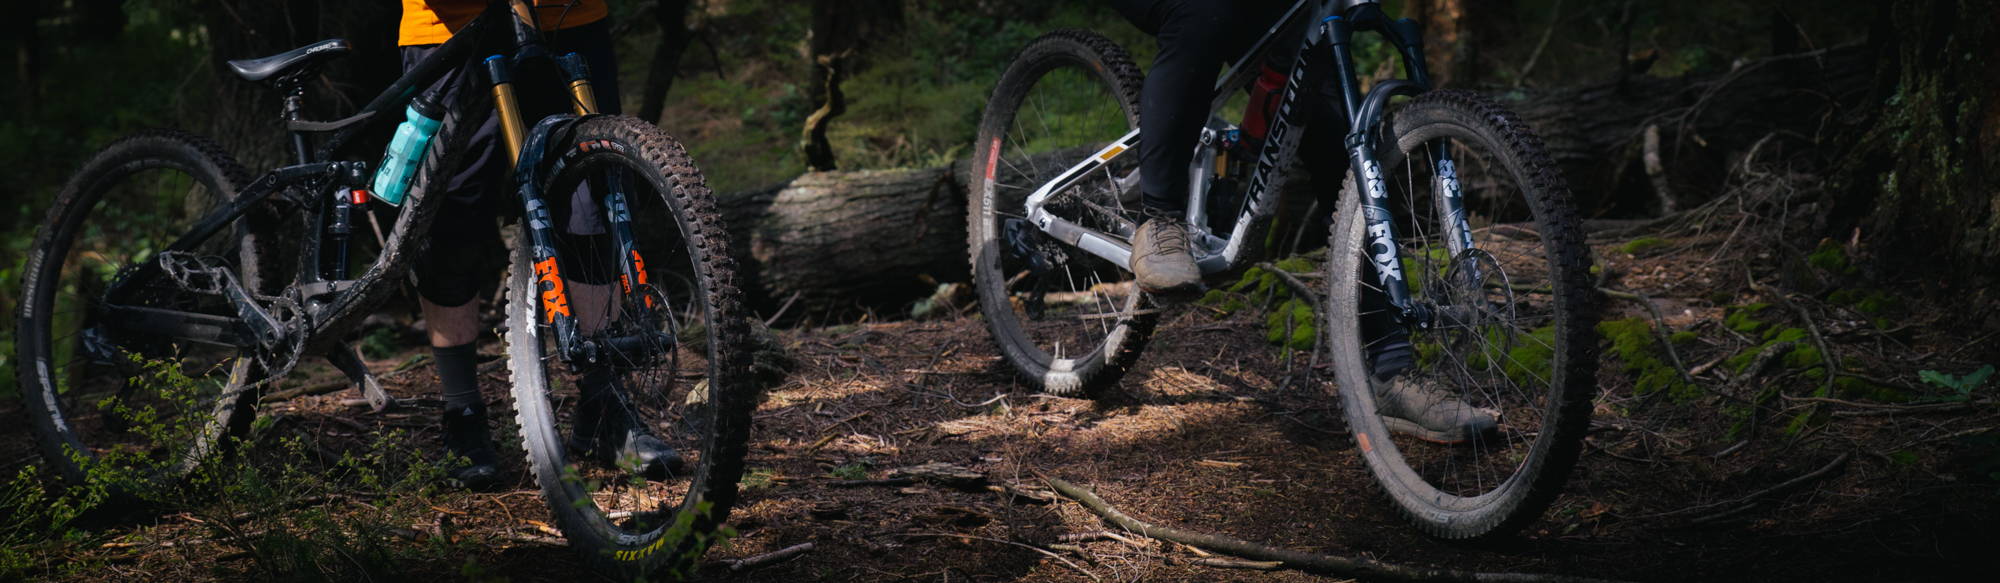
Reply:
x=875 y=241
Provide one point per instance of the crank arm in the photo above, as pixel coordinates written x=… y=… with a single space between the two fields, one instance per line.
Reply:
x=349 y=362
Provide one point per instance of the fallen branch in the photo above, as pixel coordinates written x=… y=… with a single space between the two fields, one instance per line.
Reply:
x=1741 y=503
x=1330 y=565
x=1298 y=287
x=1045 y=552
x=777 y=556
x=1660 y=332
x=1240 y=564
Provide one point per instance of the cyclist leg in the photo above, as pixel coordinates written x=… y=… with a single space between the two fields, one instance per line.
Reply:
x=1195 y=37
x=462 y=258
x=605 y=426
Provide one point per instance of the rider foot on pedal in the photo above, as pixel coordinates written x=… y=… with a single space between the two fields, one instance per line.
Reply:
x=1417 y=406
x=466 y=436
x=1161 y=261
x=607 y=430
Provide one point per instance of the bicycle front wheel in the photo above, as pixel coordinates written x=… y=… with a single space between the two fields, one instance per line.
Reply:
x=104 y=389
x=668 y=322
x=1070 y=322
x=1511 y=307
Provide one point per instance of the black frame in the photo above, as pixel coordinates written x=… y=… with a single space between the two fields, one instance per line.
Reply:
x=331 y=300
x=1333 y=26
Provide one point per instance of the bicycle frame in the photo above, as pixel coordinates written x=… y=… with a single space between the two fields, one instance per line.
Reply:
x=1332 y=27
x=332 y=302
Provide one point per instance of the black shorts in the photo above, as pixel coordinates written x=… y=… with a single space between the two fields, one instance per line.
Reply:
x=465 y=253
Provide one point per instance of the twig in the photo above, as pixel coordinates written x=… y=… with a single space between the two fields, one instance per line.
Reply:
x=1046 y=552
x=1337 y=566
x=777 y=556
x=1838 y=462
x=781 y=309
x=1100 y=535
x=874 y=482
x=1240 y=564
x=1657 y=170
x=1298 y=287
x=1660 y=333
x=1555 y=18
x=1825 y=352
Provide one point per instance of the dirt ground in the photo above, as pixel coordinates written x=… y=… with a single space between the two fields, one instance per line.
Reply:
x=1216 y=431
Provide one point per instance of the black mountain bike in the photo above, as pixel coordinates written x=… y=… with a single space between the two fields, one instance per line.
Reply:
x=161 y=249
x=1453 y=225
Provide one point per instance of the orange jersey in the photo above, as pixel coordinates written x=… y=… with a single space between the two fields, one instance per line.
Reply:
x=429 y=22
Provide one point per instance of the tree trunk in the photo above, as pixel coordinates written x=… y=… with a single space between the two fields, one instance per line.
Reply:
x=674 y=38
x=1918 y=188
x=1453 y=32
x=839 y=30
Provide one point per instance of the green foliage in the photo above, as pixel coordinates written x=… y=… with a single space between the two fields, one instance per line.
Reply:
x=759 y=479
x=379 y=343
x=1962 y=387
x=271 y=497
x=1643 y=245
x=41 y=523
x=1830 y=257
x=850 y=471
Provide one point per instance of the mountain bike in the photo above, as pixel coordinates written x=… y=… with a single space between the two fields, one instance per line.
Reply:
x=161 y=249
x=1453 y=227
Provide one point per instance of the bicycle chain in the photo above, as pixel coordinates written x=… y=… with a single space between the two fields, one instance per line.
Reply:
x=199 y=274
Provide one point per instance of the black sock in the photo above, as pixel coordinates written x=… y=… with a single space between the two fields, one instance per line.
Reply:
x=458 y=371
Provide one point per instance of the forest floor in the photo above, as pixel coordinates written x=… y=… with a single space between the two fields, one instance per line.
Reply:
x=1884 y=477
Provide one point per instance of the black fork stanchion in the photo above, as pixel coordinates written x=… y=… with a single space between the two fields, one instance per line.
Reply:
x=1380 y=241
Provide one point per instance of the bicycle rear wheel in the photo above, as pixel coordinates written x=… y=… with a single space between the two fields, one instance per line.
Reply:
x=1069 y=322
x=102 y=393
x=1514 y=325
x=683 y=363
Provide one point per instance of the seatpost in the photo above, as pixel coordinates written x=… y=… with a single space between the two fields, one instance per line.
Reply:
x=295 y=107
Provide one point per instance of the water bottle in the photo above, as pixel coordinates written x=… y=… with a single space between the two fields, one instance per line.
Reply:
x=399 y=163
x=1257 y=116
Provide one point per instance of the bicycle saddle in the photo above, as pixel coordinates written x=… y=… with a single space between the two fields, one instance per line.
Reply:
x=288 y=61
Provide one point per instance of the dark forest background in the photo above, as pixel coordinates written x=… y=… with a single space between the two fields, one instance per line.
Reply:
x=1849 y=150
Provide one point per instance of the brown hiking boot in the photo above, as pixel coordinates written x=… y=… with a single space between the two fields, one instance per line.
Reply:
x=1414 y=405
x=1160 y=258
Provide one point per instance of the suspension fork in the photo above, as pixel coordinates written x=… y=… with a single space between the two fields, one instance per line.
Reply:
x=632 y=277
x=1379 y=243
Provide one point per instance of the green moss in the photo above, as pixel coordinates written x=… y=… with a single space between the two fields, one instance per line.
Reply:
x=1877 y=303
x=1249 y=280
x=1785 y=334
x=1635 y=346
x=1642 y=245
x=1291 y=325
x=1683 y=337
x=1296 y=265
x=1803 y=356
x=1870 y=302
x=1831 y=258
x=1739 y=318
